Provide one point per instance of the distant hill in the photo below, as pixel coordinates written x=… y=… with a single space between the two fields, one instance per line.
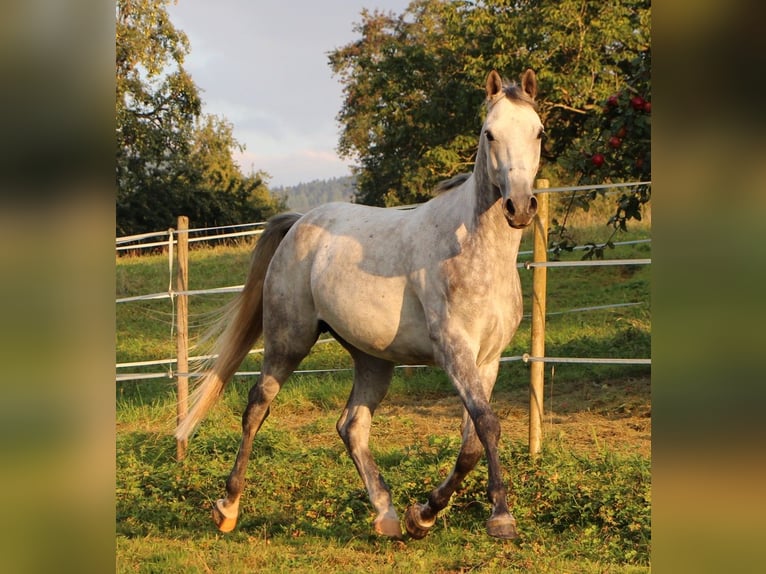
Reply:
x=305 y=196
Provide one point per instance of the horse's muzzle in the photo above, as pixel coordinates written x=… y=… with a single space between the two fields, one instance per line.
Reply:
x=520 y=218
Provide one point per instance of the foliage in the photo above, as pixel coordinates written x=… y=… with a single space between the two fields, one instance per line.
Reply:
x=171 y=158
x=614 y=146
x=604 y=500
x=413 y=86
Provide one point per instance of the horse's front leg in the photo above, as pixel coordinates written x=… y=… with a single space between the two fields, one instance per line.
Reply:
x=421 y=517
x=481 y=431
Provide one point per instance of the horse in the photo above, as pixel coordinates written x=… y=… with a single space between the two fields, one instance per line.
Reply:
x=434 y=285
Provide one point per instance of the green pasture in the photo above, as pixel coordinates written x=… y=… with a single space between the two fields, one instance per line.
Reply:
x=582 y=506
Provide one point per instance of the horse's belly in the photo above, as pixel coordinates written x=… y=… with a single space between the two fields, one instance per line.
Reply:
x=375 y=314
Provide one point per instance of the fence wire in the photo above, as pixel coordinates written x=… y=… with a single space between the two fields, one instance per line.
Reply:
x=129 y=243
x=525 y=357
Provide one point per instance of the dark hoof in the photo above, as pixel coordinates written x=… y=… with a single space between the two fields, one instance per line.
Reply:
x=503 y=526
x=415 y=525
x=224 y=523
x=388 y=526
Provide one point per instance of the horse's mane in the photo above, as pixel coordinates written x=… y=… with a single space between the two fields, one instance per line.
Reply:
x=513 y=91
x=451 y=183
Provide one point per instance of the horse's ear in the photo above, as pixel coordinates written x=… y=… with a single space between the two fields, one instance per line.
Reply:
x=529 y=83
x=494 y=84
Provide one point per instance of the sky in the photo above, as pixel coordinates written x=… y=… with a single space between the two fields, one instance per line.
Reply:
x=263 y=65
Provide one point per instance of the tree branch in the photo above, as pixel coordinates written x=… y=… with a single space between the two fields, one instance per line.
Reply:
x=569 y=108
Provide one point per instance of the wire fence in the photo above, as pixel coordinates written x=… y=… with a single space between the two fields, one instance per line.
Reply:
x=136 y=242
x=139 y=242
x=527 y=264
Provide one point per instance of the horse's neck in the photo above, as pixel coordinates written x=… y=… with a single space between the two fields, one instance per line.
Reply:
x=478 y=206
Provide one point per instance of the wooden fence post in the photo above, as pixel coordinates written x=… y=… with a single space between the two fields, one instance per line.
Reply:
x=182 y=328
x=539 y=280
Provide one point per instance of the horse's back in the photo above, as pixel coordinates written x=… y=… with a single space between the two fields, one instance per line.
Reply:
x=350 y=266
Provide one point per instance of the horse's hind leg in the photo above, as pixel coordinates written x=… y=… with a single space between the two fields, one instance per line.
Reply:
x=371 y=381
x=276 y=368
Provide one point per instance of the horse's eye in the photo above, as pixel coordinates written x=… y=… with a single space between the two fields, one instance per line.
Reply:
x=489 y=135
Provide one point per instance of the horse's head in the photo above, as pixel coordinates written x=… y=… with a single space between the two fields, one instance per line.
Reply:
x=510 y=142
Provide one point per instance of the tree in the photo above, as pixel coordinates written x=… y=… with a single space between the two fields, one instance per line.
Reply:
x=409 y=109
x=171 y=158
x=413 y=85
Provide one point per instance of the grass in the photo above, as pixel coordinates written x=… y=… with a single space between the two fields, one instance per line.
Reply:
x=582 y=506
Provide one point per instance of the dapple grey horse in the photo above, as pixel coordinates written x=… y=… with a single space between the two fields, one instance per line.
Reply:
x=437 y=284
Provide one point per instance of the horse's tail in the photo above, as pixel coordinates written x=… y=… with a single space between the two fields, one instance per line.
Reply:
x=240 y=326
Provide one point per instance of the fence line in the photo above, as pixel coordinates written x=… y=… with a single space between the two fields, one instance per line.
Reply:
x=172 y=293
x=584 y=247
x=129 y=238
x=585 y=360
x=197 y=358
x=143 y=376
x=237 y=288
x=526 y=265
x=157 y=362
x=191 y=239
x=524 y=358
x=589 y=263
x=221 y=227
x=589 y=187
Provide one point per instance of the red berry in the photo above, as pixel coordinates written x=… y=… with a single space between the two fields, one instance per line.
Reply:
x=597 y=159
x=639 y=162
x=622 y=132
x=612 y=101
x=648 y=107
x=615 y=142
x=637 y=103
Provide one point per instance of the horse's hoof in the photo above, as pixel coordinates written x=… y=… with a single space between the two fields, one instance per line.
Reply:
x=503 y=526
x=414 y=523
x=388 y=526
x=223 y=522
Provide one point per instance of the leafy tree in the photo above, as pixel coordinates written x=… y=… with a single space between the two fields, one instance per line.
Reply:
x=413 y=88
x=613 y=145
x=171 y=158
x=409 y=110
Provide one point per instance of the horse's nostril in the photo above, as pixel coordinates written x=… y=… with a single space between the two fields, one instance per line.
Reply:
x=509 y=207
x=532 y=204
